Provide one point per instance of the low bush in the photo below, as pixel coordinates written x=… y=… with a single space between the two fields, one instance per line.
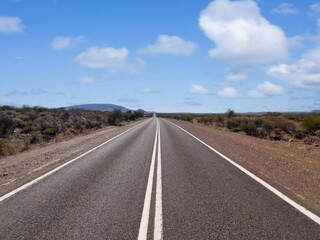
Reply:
x=311 y=124
x=233 y=123
x=7 y=126
x=50 y=131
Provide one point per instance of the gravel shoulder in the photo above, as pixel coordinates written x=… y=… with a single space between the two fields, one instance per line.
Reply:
x=291 y=167
x=21 y=168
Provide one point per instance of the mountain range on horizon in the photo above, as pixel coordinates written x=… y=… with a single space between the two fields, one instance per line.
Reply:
x=98 y=107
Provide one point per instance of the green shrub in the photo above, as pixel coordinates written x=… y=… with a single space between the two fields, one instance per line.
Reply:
x=230 y=113
x=249 y=128
x=50 y=131
x=219 y=120
x=268 y=126
x=233 y=123
x=258 y=122
x=311 y=124
x=7 y=126
x=115 y=117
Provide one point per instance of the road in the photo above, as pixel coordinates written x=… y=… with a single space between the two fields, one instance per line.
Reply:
x=154 y=181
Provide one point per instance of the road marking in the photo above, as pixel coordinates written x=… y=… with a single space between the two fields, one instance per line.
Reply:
x=147 y=200
x=61 y=166
x=158 y=233
x=297 y=206
x=143 y=231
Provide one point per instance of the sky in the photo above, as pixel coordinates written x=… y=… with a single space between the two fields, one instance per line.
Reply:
x=164 y=56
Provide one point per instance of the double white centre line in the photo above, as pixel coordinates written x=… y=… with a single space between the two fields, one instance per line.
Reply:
x=158 y=233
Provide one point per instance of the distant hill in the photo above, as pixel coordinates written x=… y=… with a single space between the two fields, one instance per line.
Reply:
x=99 y=107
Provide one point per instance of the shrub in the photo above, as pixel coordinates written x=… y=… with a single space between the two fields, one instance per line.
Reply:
x=230 y=113
x=115 y=116
x=268 y=126
x=219 y=120
x=249 y=128
x=258 y=122
x=311 y=124
x=50 y=131
x=6 y=148
x=233 y=123
x=7 y=126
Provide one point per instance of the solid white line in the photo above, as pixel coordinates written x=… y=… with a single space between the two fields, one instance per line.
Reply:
x=297 y=206
x=61 y=166
x=158 y=233
x=143 y=230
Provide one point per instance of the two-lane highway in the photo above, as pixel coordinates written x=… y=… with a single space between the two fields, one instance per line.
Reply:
x=154 y=181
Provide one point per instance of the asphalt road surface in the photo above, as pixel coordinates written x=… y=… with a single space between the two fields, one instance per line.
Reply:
x=154 y=181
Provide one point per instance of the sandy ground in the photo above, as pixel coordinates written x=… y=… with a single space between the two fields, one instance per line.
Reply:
x=21 y=168
x=291 y=167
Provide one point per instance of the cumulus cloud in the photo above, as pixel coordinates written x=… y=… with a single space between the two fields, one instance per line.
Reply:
x=303 y=73
x=85 y=80
x=270 y=88
x=229 y=92
x=60 y=43
x=255 y=94
x=198 y=89
x=109 y=58
x=266 y=89
x=169 y=45
x=236 y=77
x=10 y=25
x=241 y=35
x=285 y=8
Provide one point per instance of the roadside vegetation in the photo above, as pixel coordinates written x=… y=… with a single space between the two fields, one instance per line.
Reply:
x=274 y=126
x=20 y=128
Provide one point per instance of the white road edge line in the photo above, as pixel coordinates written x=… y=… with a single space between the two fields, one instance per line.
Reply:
x=143 y=230
x=297 y=206
x=61 y=166
x=158 y=232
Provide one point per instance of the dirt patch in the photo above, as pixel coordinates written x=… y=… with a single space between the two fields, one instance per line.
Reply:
x=291 y=166
x=21 y=168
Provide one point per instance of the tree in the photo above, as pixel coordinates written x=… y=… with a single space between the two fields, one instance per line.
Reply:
x=230 y=113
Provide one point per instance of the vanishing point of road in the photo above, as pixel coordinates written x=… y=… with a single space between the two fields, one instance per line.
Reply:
x=153 y=181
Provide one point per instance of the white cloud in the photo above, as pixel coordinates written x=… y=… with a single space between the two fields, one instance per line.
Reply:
x=5 y=100
x=255 y=94
x=234 y=77
x=242 y=36
x=314 y=10
x=229 y=92
x=198 y=89
x=270 y=88
x=10 y=25
x=169 y=45
x=302 y=73
x=60 y=43
x=285 y=8
x=266 y=89
x=85 y=80
x=109 y=58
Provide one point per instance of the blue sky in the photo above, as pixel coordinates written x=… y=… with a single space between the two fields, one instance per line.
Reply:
x=165 y=56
